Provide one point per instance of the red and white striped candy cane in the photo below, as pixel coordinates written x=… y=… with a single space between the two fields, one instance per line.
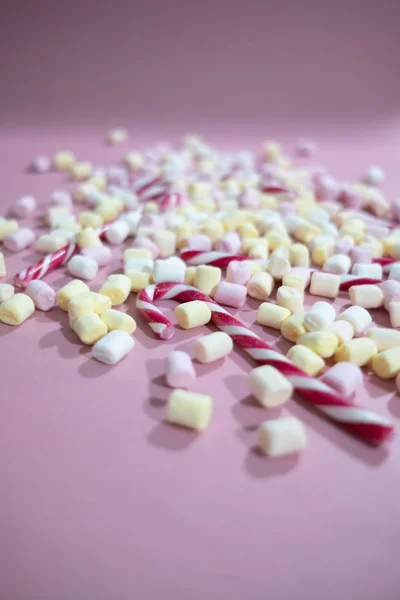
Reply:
x=369 y=426
x=215 y=259
x=170 y=201
x=348 y=281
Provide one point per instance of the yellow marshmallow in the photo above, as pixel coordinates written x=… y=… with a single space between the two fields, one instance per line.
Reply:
x=277 y=239
x=306 y=359
x=7 y=226
x=150 y=208
x=358 y=351
x=189 y=409
x=182 y=232
x=247 y=230
x=272 y=315
x=258 y=250
x=214 y=229
x=88 y=218
x=386 y=364
x=16 y=309
x=74 y=227
x=88 y=238
x=189 y=275
x=115 y=319
x=137 y=253
x=290 y=298
x=293 y=327
x=299 y=255
x=139 y=279
x=109 y=209
x=294 y=281
x=100 y=302
x=89 y=328
x=66 y=293
x=305 y=232
x=79 y=306
x=323 y=343
x=98 y=181
x=81 y=170
x=207 y=279
x=64 y=160
x=320 y=254
x=192 y=314
x=117 y=288
x=269 y=201
x=3 y=269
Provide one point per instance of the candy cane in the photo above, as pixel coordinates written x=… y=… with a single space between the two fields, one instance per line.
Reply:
x=170 y=201
x=369 y=426
x=216 y=259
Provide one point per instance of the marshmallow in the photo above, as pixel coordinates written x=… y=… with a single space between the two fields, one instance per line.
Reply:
x=64 y=160
x=344 y=377
x=43 y=295
x=192 y=314
x=66 y=293
x=214 y=229
x=40 y=164
x=367 y=296
x=102 y=255
x=299 y=255
x=82 y=267
x=179 y=370
x=324 y=284
x=374 y=175
x=361 y=254
x=386 y=364
x=294 y=281
x=7 y=226
x=290 y=298
x=79 y=306
x=394 y=313
x=320 y=316
x=343 y=330
x=323 y=343
x=230 y=294
x=189 y=275
x=344 y=244
x=88 y=238
x=269 y=386
x=200 y=242
x=16 y=309
x=117 y=232
x=278 y=266
x=48 y=243
x=57 y=215
x=230 y=242
x=238 y=272
x=145 y=242
x=260 y=286
x=390 y=289
x=3 y=270
x=212 y=347
x=280 y=437
x=169 y=269
x=140 y=264
x=115 y=319
x=305 y=148
x=358 y=317
x=6 y=291
x=394 y=272
x=272 y=315
x=81 y=170
x=24 y=206
x=118 y=135
x=189 y=409
x=384 y=338
x=113 y=347
x=165 y=242
x=207 y=279
x=117 y=288
x=68 y=236
x=141 y=253
x=61 y=198
x=338 y=263
x=100 y=302
x=293 y=327
x=89 y=328
x=358 y=351
x=88 y=218
x=307 y=360
x=372 y=271
x=20 y=239
x=139 y=279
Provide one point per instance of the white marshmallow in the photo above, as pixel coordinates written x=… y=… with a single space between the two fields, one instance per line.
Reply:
x=83 y=267
x=101 y=254
x=117 y=232
x=367 y=296
x=337 y=263
x=282 y=436
x=343 y=330
x=145 y=265
x=290 y=298
x=269 y=386
x=212 y=347
x=6 y=291
x=324 y=284
x=394 y=314
x=358 y=317
x=320 y=316
x=371 y=270
x=46 y=244
x=394 y=272
x=24 y=206
x=69 y=236
x=169 y=269
x=113 y=347
x=374 y=175
x=384 y=338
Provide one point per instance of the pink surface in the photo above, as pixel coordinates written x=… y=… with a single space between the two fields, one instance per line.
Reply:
x=100 y=499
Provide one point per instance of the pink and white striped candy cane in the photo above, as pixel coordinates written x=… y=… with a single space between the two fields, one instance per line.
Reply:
x=215 y=259
x=170 y=201
x=369 y=426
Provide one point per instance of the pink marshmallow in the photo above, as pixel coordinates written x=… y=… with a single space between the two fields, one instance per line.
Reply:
x=361 y=254
x=325 y=187
x=61 y=198
x=24 y=206
x=350 y=198
x=250 y=199
x=43 y=296
x=179 y=370
x=144 y=242
x=344 y=377
x=41 y=164
x=344 y=245
x=102 y=255
x=230 y=242
x=238 y=272
x=390 y=288
x=377 y=231
x=19 y=239
x=154 y=221
x=231 y=294
x=199 y=241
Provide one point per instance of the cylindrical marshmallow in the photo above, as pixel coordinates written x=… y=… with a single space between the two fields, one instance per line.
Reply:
x=280 y=437
x=344 y=377
x=361 y=254
x=278 y=266
x=394 y=272
x=320 y=316
x=269 y=386
x=100 y=302
x=272 y=315
x=117 y=287
x=179 y=370
x=3 y=270
x=102 y=255
x=343 y=330
x=299 y=255
x=20 y=239
x=42 y=294
x=323 y=343
x=374 y=175
x=64 y=160
x=386 y=364
x=145 y=242
x=79 y=306
x=212 y=347
x=113 y=347
x=367 y=296
x=230 y=294
x=384 y=338
x=372 y=271
x=24 y=206
x=260 y=286
x=117 y=232
x=83 y=267
x=192 y=314
x=207 y=279
x=238 y=272
x=338 y=263
x=139 y=279
x=88 y=238
x=230 y=242
x=71 y=289
x=116 y=319
x=358 y=317
x=199 y=241
x=290 y=298
x=358 y=351
x=394 y=312
x=324 y=284
x=7 y=226
x=6 y=291
x=48 y=243
x=41 y=164
x=293 y=327
x=61 y=198
x=89 y=328
x=189 y=409
x=169 y=269
x=306 y=360
x=390 y=288
x=165 y=242
x=16 y=309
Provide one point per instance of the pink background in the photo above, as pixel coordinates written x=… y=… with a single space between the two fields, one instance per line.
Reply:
x=100 y=499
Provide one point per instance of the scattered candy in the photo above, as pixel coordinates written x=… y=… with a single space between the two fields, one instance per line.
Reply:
x=7 y=226
x=19 y=239
x=238 y=272
x=367 y=296
x=40 y=164
x=42 y=294
x=269 y=386
x=102 y=255
x=113 y=347
x=192 y=314
x=16 y=309
x=343 y=330
x=179 y=370
x=289 y=298
x=115 y=319
x=83 y=267
x=169 y=269
x=323 y=343
x=189 y=409
x=24 y=206
x=358 y=351
x=71 y=289
x=386 y=364
x=212 y=347
x=48 y=243
x=344 y=377
x=358 y=317
x=89 y=328
x=324 y=284
x=306 y=360
x=6 y=291
x=64 y=160
x=280 y=437
x=3 y=270
x=119 y=135
x=207 y=279
x=230 y=294
x=117 y=288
